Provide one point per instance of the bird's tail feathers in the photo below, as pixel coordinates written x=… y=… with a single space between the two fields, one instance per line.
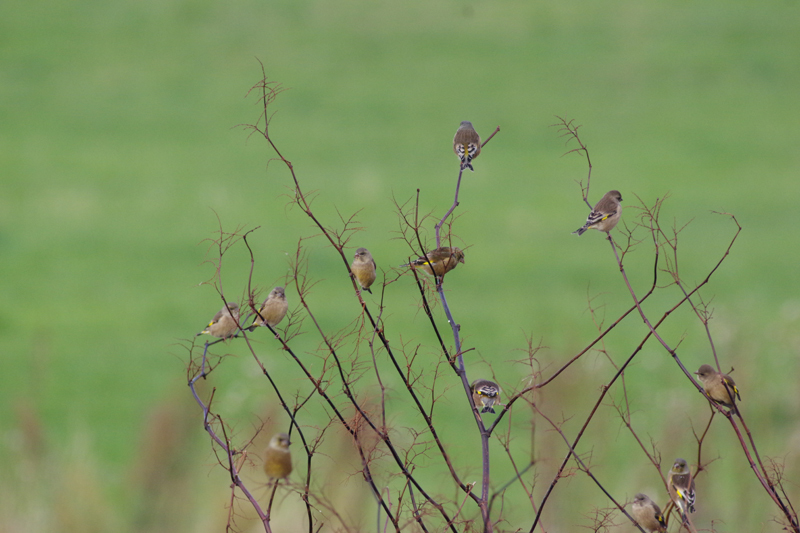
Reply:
x=580 y=231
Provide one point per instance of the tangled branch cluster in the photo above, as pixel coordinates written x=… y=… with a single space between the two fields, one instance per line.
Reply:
x=372 y=388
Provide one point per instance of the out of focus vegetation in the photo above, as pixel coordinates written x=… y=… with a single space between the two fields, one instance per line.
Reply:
x=121 y=155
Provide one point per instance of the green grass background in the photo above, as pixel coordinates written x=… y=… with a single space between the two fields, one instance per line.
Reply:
x=120 y=151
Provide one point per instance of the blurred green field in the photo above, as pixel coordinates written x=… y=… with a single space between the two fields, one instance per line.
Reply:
x=120 y=150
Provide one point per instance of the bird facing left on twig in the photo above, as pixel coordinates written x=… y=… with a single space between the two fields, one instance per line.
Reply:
x=223 y=325
x=715 y=383
x=648 y=514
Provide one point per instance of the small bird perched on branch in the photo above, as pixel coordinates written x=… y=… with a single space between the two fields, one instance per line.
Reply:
x=715 y=383
x=223 y=325
x=648 y=514
x=277 y=457
x=681 y=486
x=272 y=310
x=363 y=268
x=485 y=394
x=467 y=144
x=439 y=262
x=605 y=215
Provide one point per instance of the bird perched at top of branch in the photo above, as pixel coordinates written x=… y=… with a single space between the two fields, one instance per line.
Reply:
x=277 y=457
x=224 y=323
x=485 y=394
x=467 y=144
x=648 y=514
x=715 y=383
x=273 y=309
x=681 y=486
x=363 y=268
x=605 y=215
x=439 y=262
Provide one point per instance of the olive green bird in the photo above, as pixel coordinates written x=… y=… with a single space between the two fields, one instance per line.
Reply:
x=277 y=457
x=272 y=310
x=363 y=268
x=715 y=383
x=438 y=262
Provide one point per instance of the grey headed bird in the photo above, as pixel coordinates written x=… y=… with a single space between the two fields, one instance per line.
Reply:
x=605 y=215
x=277 y=457
x=681 y=486
x=648 y=514
x=272 y=310
x=363 y=268
x=715 y=383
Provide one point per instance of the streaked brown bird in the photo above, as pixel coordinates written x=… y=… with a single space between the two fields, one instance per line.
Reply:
x=648 y=514
x=605 y=215
x=439 y=262
x=680 y=483
x=223 y=325
x=467 y=144
x=485 y=394
x=715 y=383
x=363 y=268
x=272 y=310
x=277 y=457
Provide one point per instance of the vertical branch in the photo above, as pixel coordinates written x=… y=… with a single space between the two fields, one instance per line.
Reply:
x=439 y=224
x=570 y=130
x=483 y=503
x=225 y=445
